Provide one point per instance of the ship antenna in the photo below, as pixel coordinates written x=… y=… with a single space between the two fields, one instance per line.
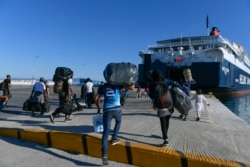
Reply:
x=181 y=38
x=207 y=22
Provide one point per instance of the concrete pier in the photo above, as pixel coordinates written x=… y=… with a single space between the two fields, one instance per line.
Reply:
x=219 y=139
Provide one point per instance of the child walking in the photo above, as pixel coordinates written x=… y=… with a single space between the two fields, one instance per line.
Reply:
x=199 y=105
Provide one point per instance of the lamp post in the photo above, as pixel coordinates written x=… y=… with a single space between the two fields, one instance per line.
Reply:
x=33 y=69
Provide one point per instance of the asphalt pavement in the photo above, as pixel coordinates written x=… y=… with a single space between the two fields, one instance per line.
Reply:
x=219 y=133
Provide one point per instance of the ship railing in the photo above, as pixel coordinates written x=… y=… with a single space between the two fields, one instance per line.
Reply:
x=224 y=40
x=186 y=41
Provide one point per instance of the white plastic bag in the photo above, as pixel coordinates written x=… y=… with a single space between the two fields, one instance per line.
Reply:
x=98 y=123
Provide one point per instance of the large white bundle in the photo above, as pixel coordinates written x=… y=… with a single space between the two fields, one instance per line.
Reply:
x=98 y=123
x=181 y=101
x=121 y=73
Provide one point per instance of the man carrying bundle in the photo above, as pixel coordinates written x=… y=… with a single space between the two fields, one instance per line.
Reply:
x=117 y=76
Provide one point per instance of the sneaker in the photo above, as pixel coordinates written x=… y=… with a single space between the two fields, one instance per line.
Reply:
x=67 y=119
x=105 y=161
x=70 y=116
x=184 y=119
x=197 y=119
x=51 y=118
x=115 y=141
x=165 y=143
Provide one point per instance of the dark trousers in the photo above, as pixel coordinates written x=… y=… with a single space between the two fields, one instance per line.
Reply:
x=89 y=99
x=6 y=92
x=62 y=100
x=164 y=126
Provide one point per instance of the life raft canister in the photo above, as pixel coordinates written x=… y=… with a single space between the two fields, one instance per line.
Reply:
x=178 y=59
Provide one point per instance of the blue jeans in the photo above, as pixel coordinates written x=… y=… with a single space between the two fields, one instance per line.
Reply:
x=107 y=118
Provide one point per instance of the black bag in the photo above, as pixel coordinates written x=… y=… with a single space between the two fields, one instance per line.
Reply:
x=161 y=96
x=27 y=105
x=80 y=104
x=181 y=101
x=120 y=73
x=46 y=107
x=61 y=73
x=67 y=107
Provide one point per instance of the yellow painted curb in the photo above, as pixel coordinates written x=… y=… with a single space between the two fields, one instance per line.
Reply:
x=36 y=136
x=126 y=152
x=9 y=132
x=66 y=141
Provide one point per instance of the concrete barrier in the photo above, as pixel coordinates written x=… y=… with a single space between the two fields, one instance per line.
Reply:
x=126 y=152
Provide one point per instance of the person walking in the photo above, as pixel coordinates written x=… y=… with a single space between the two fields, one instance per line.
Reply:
x=111 y=109
x=186 y=89
x=90 y=93
x=138 y=92
x=38 y=94
x=47 y=90
x=84 y=92
x=101 y=98
x=65 y=96
x=7 y=85
x=199 y=103
x=164 y=104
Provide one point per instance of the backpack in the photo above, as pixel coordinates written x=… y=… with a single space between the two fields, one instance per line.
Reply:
x=59 y=77
x=161 y=96
x=2 y=85
x=61 y=73
x=58 y=86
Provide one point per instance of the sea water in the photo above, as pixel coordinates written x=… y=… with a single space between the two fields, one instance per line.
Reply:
x=240 y=106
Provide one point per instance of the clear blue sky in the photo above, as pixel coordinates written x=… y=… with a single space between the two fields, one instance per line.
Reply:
x=86 y=35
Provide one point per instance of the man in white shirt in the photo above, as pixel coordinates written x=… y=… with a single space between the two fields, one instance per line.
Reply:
x=37 y=94
x=90 y=93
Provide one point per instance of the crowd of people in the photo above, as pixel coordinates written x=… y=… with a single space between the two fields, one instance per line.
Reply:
x=112 y=107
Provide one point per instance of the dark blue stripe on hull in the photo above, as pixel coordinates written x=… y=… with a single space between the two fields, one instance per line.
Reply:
x=219 y=78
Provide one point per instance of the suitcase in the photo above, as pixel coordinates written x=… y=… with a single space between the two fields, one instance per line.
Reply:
x=98 y=123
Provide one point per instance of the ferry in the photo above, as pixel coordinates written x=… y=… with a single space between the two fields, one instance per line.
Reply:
x=211 y=63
